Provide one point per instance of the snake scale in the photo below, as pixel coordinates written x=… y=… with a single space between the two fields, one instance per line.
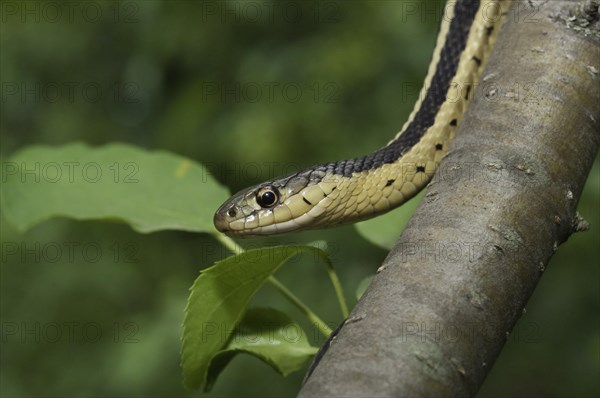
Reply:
x=356 y=189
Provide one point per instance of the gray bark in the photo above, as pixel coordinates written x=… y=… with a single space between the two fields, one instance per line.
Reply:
x=435 y=318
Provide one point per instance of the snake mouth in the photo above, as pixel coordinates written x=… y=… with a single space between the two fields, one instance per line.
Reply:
x=221 y=223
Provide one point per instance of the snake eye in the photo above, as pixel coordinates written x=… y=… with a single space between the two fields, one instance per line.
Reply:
x=267 y=197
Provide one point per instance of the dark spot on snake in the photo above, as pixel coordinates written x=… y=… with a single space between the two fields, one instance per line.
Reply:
x=420 y=169
x=468 y=91
x=453 y=122
x=231 y=212
x=489 y=30
x=389 y=182
x=477 y=60
x=332 y=189
x=439 y=147
x=306 y=201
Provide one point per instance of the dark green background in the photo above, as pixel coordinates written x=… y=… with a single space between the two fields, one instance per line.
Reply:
x=183 y=76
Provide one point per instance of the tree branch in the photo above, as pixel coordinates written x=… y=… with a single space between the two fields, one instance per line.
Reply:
x=436 y=317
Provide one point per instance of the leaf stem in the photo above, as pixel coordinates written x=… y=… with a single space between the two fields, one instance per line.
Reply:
x=337 y=286
x=229 y=243
x=291 y=297
x=322 y=326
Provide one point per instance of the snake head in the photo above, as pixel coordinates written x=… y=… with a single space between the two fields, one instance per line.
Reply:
x=279 y=206
x=249 y=210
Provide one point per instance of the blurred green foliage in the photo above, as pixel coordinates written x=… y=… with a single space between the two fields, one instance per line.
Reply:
x=251 y=89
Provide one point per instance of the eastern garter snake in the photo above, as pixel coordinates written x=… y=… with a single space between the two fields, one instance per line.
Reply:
x=357 y=189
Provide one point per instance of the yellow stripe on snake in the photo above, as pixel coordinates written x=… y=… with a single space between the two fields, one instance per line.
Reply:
x=356 y=189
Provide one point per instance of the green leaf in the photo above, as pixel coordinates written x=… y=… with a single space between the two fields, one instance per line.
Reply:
x=217 y=302
x=150 y=190
x=383 y=231
x=269 y=335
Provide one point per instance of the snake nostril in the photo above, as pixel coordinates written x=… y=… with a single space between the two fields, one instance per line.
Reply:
x=231 y=212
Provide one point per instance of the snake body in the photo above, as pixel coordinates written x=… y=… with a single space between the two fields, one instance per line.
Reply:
x=356 y=189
